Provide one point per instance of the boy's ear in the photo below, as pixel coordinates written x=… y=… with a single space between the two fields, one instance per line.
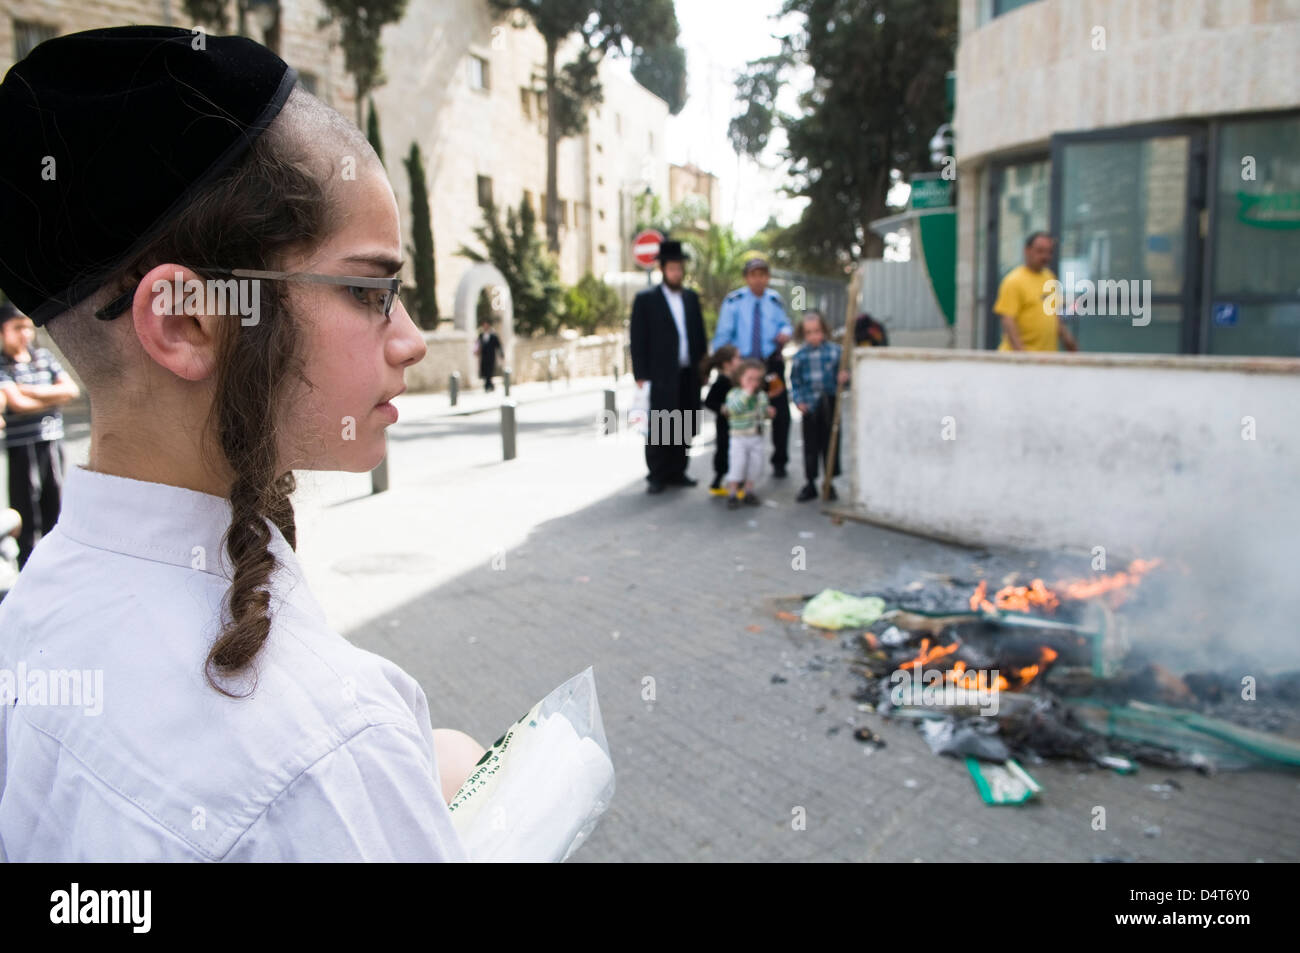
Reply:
x=184 y=343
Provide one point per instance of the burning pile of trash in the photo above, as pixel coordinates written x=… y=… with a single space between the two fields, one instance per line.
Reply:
x=1030 y=670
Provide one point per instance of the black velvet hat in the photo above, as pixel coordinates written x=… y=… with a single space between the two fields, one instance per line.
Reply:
x=672 y=251
x=108 y=135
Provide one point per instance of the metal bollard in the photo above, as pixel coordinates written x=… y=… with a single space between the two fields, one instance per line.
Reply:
x=453 y=387
x=507 y=430
x=505 y=381
x=611 y=412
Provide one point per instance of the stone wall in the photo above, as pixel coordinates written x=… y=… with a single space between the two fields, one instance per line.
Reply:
x=449 y=351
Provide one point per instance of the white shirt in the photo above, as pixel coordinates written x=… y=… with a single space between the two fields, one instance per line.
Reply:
x=331 y=758
x=679 y=318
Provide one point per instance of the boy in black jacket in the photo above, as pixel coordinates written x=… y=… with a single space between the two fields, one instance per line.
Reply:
x=726 y=360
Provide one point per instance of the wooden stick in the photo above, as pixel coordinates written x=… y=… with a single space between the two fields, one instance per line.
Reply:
x=845 y=352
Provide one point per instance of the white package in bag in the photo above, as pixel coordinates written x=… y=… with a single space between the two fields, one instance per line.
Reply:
x=537 y=793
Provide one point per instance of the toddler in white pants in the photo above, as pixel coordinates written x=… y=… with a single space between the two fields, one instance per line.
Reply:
x=746 y=409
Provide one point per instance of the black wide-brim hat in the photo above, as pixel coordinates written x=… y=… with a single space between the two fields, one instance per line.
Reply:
x=108 y=135
x=672 y=251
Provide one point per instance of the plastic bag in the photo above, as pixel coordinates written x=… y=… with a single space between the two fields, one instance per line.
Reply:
x=538 y=792
x=832 y=609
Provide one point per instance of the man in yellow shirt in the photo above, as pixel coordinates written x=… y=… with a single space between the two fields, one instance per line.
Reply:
x=1028 y=321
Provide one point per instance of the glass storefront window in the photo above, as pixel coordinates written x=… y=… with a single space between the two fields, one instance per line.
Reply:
x=1257 y=240
x=1254 y=301
x=1123 y=211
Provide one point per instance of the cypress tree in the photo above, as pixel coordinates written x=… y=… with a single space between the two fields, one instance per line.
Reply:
x=372 y=131
x=421 y=248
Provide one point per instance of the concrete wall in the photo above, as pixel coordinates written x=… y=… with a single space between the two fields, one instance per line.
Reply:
x=1142 y=455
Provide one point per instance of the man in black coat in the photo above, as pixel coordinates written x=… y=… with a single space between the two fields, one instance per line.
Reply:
x=487 y=347
x=668 y=345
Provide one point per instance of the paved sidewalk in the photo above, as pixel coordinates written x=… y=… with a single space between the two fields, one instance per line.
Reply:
x=667 y=597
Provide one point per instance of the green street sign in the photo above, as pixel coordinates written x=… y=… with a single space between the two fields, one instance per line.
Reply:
x=931 y=192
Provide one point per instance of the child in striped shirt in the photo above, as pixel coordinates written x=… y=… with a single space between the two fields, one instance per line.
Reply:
x=34 y=385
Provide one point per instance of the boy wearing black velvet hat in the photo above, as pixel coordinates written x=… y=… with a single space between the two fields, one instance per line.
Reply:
x=238 y=725
x=34 y=385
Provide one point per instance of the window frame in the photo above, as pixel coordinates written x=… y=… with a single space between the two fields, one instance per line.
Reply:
x=1213 y=211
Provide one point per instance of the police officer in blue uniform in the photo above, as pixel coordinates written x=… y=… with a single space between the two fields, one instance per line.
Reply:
x=753 y=320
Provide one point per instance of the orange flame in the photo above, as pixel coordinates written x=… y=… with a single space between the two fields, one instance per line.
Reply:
x=1038 y=596
x=928 y=654
x=1030 y=672
x=1022 y=598
x=976 y=681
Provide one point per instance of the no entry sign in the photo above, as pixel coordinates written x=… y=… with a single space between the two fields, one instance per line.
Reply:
x=645 y=248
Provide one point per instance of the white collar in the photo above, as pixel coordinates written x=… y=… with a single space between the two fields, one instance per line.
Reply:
x=154 y=521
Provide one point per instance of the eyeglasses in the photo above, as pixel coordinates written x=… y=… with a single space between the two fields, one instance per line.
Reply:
x=390 y=288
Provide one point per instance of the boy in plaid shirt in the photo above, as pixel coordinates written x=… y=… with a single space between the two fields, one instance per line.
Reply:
x=746 y=408
x=814 y=378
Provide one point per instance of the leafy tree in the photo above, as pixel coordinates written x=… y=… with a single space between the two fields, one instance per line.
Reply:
x=662 y=70
x=372 y=131
x=360 y=24
x=877 y=97
x=591 y=304
x=644 y=30
x=529 y=271
x=424 y=296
